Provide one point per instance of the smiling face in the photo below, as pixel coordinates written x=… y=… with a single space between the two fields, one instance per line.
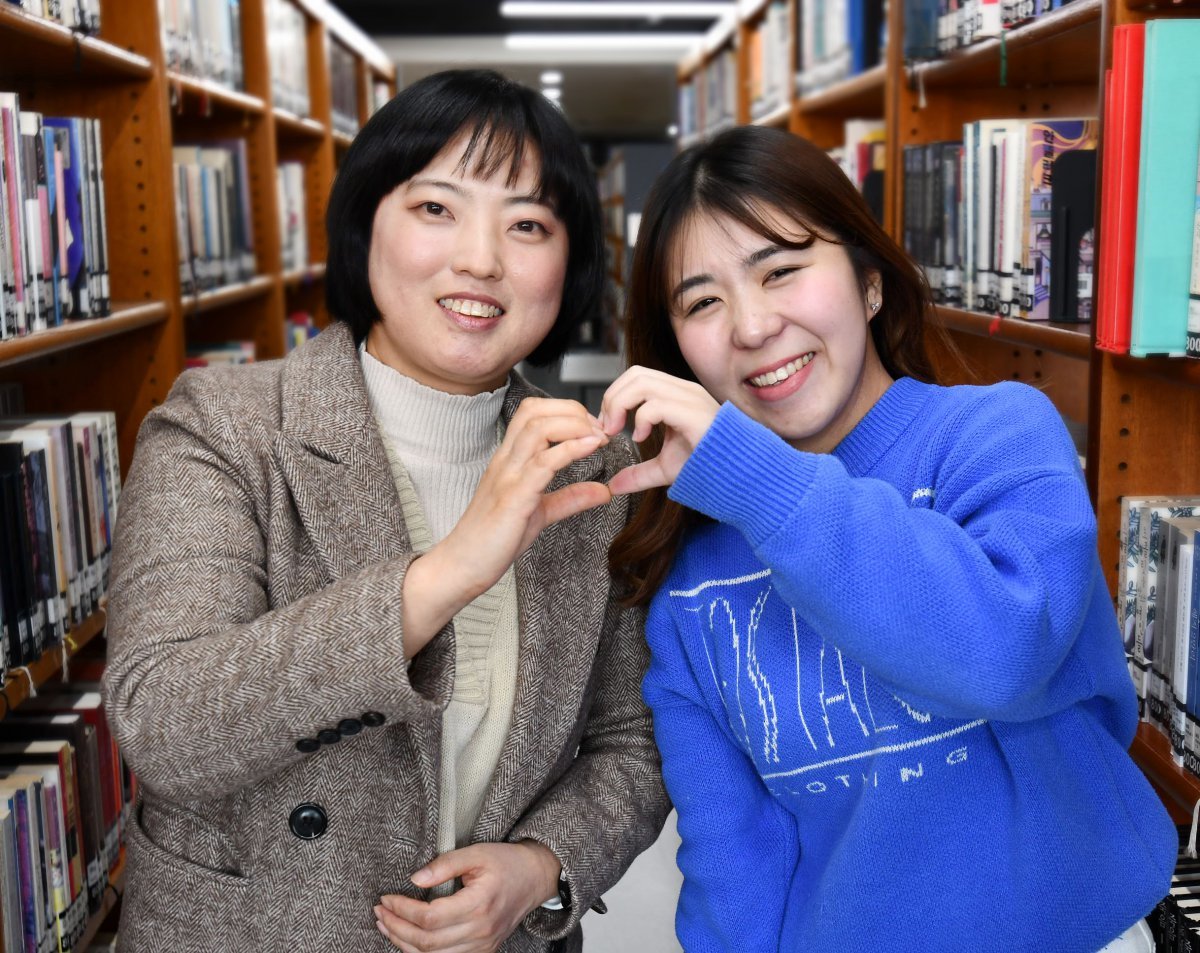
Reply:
x=781 y=333
x=467 y=273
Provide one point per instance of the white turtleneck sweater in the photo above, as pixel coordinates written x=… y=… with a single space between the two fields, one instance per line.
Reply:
x=438 y=445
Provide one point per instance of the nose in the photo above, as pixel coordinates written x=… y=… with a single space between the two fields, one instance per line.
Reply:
x=754 y=324
x=477 y=253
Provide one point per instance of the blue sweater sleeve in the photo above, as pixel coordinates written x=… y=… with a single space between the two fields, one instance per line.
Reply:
x=739 y=845
x=972 y=604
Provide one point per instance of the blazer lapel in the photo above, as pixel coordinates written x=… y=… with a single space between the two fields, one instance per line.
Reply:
x=554 y=663
x=332 y=457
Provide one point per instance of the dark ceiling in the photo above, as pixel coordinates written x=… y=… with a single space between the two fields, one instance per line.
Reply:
x=621 y=100
x=482 y=18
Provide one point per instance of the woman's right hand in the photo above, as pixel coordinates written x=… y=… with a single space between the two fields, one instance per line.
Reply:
x=683 y=408
x=510 y=507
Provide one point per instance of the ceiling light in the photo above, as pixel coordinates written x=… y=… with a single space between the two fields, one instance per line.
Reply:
x=599 y=41
x=634 y=10
x=551 y=77
x=552 y=92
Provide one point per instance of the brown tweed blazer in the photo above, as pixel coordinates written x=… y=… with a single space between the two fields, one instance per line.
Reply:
x=255 y=647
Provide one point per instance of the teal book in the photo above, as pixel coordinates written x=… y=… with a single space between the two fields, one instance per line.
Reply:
x=1166 y=186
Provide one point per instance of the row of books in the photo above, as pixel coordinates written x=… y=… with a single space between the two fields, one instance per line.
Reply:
x=203 y=38
x=1150 y=192
x=299 y=326
x=769 y=60
x=838 y=39
x=287 y=40
x=934 y=28
x=60 y=482
x=343 y=87
x=708 y=100
x=64 y=799
x=863 y=157
x=1175 y=921
x=1158 y=597
x=293 y=220
x=82 y=16
x=53 y=229
x=1003 y=221
x=227 y=352
x=214 y=227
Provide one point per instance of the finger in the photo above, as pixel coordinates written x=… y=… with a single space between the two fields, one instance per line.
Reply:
x=458 y=930
x=638 y=477
x=574 y=499
x=537 y=408
x=419 y=912
x=633 y=388
x=544 y=432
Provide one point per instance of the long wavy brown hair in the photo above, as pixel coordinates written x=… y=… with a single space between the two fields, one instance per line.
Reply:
x=745 y=174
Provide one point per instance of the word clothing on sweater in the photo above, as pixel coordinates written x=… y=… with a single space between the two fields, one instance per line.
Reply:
x=890 y=693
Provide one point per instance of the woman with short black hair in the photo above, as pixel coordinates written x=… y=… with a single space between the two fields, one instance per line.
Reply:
x=365 y=654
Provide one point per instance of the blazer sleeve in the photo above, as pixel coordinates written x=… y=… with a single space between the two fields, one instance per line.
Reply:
x=610 y=804
x=208 y=686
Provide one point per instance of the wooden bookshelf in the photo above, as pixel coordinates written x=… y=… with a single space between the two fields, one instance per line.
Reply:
x=861 y=95
x=1142 y=416
x=125 y=318
x=51 y=50
x=20 y=684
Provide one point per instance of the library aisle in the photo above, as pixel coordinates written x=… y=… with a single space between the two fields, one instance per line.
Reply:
x=641 y=908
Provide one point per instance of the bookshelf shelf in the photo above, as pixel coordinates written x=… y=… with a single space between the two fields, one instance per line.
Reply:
x=1179 y=789
x=227 y=295
x=36 y=47
x=1071 y=340
x=861 y=95
x=1060 y=47
x=124 y=319
x=1172 y=370
x=303 y=276
x=212 y=97
x=289 y=125
x=49 y=664
x=776 y=117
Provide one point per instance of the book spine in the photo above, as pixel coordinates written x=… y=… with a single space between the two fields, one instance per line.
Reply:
x=1193 y=324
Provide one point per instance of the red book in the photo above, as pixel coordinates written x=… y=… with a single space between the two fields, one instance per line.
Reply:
x=1106 y=251
x=1129 y=54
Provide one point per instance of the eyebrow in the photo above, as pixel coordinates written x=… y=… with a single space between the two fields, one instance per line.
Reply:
x=528 y=198
x=754 y=258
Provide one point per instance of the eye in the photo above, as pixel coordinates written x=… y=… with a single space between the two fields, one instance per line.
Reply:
x=777 y=273
x=433 y=208
x=699 y=306
x=530 y=227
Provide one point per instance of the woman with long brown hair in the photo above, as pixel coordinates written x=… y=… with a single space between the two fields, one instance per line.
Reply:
x=886 y=675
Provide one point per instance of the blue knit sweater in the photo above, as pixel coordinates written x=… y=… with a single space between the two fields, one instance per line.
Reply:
x=890 y=693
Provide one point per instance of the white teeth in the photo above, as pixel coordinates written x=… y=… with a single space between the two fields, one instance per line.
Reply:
x=474 y=309
x=782 y=373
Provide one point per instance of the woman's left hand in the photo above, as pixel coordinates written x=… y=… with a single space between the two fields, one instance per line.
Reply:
x=501 y=883
x=684 y=408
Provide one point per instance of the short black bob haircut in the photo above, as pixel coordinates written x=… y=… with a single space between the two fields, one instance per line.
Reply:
x=503 y=119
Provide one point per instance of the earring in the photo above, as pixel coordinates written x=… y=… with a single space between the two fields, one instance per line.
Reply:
x=874 y=307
